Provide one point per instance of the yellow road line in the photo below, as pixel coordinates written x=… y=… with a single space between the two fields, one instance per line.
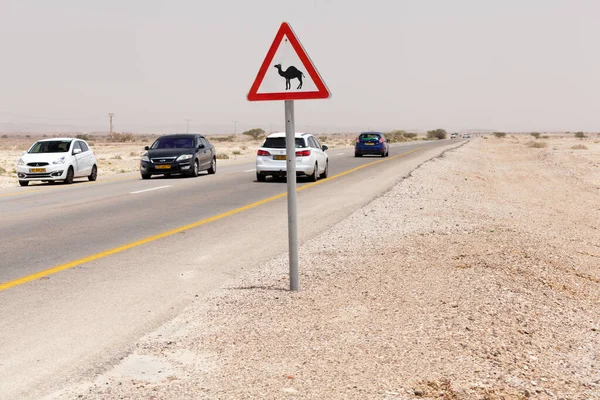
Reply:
x=14 y=194
x=97 y=256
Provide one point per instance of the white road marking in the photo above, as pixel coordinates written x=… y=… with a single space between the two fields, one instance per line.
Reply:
x=250 y=170
x=341 y=154
x=147 y=190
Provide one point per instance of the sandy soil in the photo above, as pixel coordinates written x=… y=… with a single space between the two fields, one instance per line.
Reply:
x=114 y=158
x=476 y=278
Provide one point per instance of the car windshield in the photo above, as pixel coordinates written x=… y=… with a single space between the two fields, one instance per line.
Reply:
x=173 y=143
x=279 y=143
x=367 y=137
x=51 y=146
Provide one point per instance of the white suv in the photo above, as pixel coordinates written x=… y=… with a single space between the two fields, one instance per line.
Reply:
x=57 y=159
x=311 y=159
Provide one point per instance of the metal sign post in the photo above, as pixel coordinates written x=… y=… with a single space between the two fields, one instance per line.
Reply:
x=287 y=62
x=290 y=151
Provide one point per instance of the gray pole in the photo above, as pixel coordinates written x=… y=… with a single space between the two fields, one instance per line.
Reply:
x=290 y=151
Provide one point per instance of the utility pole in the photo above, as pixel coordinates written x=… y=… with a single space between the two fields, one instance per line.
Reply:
x=235 y=126
x=187 y=125
x=110 y=117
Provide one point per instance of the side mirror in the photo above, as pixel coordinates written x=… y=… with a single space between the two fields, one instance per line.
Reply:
x=146 y=147
x=324 y=147
x=200 y=146
x=76 y=151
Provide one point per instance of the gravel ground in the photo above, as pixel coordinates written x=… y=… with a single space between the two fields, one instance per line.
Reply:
x=475 y=278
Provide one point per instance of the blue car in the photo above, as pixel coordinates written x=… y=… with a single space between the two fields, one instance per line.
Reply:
x=373 y=143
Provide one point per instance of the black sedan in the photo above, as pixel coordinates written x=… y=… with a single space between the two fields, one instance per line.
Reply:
x=186 y=154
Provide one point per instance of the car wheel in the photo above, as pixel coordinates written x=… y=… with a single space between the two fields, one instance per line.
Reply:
x=326 y=172
x=146 y=176
x=70 y=175
x=94 y=174
x=315 y=174
x=195 y=169
x=23 y=183
x=213 y=166
x=357 y=155
x=260 y=177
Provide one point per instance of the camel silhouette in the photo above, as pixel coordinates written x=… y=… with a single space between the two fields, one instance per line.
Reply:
x=290 y=73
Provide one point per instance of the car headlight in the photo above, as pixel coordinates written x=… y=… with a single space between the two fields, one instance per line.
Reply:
x=20 y=162
x=59 y=160
x=184 y=157
x=144 y=157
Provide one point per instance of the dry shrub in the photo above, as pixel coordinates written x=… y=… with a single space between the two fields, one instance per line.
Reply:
x=2 y=170
x=579 y=147
x=121 y=137
x=117 y=157
x=229 y=138
x=537 y=145
x=236 y=152
x=222 y=156
x=397 y=136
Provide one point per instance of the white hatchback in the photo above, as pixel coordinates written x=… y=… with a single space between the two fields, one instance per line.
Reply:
x=311 y=159
x=59 y=159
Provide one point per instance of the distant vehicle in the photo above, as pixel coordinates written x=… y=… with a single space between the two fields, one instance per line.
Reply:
x=311 y=159
x=57 y=159
x=452 y=135
x=371 y=143
x=466 y=136
x=186 y=154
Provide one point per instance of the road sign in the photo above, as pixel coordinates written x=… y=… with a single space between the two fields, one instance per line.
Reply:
x=287 y=73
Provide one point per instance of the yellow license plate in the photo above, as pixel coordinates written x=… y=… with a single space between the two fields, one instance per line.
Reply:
x=279 y=157
x=163 y=167
x=370 y=144
x=37 y=169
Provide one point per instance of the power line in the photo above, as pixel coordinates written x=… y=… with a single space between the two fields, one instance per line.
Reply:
x=187 y=125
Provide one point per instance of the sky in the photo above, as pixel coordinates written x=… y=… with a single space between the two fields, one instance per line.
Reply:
x=509 y=65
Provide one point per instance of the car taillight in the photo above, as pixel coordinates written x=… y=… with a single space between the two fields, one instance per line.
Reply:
x=303 y=153
x=263 y=153
x=380 y=140
x=357 y=140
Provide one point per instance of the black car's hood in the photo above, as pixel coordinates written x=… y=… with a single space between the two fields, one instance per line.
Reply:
x=157 y=153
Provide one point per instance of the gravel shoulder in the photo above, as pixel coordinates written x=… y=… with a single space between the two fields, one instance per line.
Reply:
x=478 y=277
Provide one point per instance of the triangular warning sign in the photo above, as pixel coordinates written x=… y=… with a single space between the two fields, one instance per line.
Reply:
x=287 y=73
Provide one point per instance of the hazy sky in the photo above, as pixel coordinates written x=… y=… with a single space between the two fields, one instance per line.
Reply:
x=407 y=64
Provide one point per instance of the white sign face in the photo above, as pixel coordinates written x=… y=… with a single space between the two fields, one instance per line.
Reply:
x=287 y=73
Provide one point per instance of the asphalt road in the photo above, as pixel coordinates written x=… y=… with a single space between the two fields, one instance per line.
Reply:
x=87 y=269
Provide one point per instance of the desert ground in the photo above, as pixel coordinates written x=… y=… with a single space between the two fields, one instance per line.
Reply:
x=477 y=277
x=122 y=157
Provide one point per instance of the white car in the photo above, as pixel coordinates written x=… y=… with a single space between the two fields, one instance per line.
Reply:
x=59 y=159
x=466 y=136
x=311 y=159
